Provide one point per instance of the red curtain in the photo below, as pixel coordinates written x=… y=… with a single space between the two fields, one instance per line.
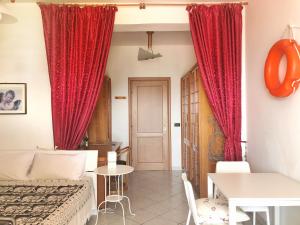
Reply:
x=77 y=44
x=217 y=36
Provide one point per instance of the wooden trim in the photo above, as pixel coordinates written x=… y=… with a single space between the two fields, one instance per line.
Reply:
x=191 y=70
x=143 y=5
x=168 y=79
x=181 y=127
x=149 y=79
x=120 y=97
x=129 y=118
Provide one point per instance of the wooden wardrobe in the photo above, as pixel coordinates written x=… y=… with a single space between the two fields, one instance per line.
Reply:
x=99 y=131
x=202 y=140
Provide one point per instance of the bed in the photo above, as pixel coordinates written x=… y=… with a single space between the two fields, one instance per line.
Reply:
x=50 y=201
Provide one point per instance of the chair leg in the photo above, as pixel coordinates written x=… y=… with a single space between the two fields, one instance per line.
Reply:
x=268 y=217
x=254 y=218
x=188 y=218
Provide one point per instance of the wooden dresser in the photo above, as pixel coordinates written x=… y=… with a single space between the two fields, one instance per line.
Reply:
x=202 y=140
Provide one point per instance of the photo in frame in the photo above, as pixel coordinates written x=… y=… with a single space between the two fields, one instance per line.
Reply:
x=13 y=97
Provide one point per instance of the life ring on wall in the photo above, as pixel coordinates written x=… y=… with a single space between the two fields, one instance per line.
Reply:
x=289 y=48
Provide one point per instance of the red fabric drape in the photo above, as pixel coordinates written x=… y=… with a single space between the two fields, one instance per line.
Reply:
x=217 y=37
x=77 y=44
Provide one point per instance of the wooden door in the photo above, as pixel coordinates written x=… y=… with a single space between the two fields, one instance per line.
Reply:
x=202 y=138
x=194 y=174
x=211 y=141
x=149 y=118
x=185 y=124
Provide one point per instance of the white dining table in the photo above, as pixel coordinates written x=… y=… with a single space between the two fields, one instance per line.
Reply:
x=255 y=189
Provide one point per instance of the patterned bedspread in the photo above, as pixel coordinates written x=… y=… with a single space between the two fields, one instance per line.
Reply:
x=49 y=202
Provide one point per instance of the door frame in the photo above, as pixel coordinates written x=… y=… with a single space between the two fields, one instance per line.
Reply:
x=168 y=79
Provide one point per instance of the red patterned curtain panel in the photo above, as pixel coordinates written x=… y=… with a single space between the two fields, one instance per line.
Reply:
x=217 y=36
x=77 y=44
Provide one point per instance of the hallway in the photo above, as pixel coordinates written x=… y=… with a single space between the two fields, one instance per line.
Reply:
x=157 y=198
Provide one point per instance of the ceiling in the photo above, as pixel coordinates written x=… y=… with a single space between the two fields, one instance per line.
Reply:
x=121 y=1
x=130 y=19
x=159 y=38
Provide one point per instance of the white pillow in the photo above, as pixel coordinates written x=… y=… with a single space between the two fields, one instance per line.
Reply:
x=15 y=165
x=57 y=166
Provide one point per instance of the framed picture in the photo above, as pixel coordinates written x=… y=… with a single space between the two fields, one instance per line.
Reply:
x=13 y=98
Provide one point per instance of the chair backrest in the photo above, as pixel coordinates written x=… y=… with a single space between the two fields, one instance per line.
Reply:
x=124 y=154
x=233 y=167
x=190 y=198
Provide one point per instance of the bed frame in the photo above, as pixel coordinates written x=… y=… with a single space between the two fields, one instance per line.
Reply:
x=91 y=162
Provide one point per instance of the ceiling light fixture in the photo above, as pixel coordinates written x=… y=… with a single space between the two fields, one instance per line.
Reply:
x=148 y=54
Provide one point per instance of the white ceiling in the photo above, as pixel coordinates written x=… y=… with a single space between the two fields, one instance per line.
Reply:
x=122 y=1
x=152 y=27
x=159 y=38
x=141 y=20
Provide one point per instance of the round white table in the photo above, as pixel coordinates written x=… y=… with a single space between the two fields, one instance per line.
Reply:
x=119 y=171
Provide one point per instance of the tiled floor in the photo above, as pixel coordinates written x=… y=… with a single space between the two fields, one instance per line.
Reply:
x=157 y=198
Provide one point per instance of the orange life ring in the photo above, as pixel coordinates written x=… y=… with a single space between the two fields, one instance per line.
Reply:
x=289 y=48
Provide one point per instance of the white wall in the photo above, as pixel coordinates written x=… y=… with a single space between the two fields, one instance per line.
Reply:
x=273 y=123
x=154 y=18
x=23 y=60
x=178 y=58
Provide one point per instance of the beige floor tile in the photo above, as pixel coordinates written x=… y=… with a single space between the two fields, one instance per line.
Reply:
x=141 y=203
x=157 y=198
x=176 y=215
x=159 y=208
x=127 y=222
x=160 y=221
x=143 y=216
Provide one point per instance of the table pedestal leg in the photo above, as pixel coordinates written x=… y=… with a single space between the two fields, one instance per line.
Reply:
x=98 y=210
x=210 y=187
x=123 y=212
x=276 y=215
x=232 y=213
x=129 y=206
x=105 y=192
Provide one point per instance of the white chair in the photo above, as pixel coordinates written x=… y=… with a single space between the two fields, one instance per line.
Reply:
x=208 y=211
x=241 y=167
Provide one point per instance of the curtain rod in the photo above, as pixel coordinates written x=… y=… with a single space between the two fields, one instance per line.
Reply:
x=143 y=5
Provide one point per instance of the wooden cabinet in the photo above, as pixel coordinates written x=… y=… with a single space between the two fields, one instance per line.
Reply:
x=99 y=130
x=102 y=161
x=202 y=140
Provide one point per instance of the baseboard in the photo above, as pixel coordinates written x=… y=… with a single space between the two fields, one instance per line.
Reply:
x=176 y=168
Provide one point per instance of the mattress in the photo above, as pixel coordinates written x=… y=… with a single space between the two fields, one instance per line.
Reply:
x=47 y=202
